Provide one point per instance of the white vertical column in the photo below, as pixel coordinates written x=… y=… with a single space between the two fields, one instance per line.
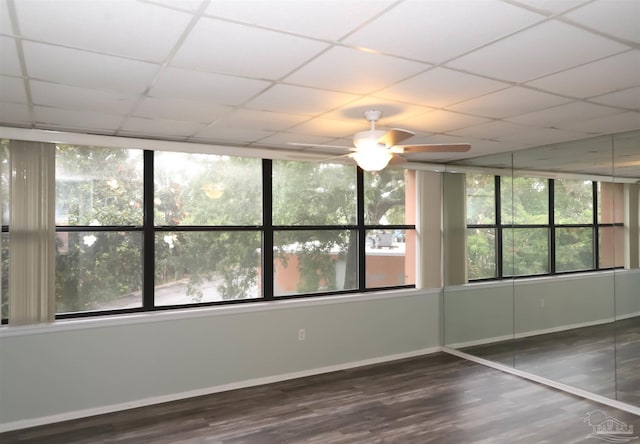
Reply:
x=454 y=229
x=429 y=229
x=32 y=233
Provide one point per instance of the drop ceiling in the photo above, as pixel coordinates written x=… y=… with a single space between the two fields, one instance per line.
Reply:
x=502 y=75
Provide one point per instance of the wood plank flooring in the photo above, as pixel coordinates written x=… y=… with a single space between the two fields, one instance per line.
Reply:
x=437 y=398
x=602 y=359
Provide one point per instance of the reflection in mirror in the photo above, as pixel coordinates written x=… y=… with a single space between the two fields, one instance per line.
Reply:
x=563 y=300
x=566 y=239
x=478 y=300
x=627 y=276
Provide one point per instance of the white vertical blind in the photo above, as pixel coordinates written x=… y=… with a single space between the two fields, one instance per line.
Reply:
x=32 y=233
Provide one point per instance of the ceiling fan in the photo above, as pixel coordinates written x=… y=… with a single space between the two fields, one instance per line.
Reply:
x=375 y=149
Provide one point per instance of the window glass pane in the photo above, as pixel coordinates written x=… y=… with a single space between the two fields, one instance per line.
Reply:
x=5 y=176
x=481 y=199
x=610 y=202
x=314 y=261
x=205 y=189
x=573 y=201
x=98 y=186
x=611 y=248
x=481 y=253
x=194 y=267
x=306 y=193
x=4 y=257
x=574 y=249
x=389 y=197
x=390 y=258
x=98 y=270
x=525 y=251
x=525 y=200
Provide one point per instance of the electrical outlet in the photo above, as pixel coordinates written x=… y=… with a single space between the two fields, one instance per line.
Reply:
x=541 y=302
x=302 y=334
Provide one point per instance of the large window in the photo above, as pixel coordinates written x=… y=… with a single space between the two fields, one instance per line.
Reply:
x=98 y=228
x=207 y=213
x=143 y=230
x=527 y=226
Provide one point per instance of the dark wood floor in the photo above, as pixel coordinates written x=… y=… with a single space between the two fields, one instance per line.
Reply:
x=437 y=398
x=603 y=359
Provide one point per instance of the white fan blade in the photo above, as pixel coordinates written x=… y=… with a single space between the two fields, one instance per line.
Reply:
x=435 y=148
x=395 y=136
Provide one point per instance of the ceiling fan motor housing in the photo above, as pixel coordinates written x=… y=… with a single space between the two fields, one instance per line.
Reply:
x=368 y=139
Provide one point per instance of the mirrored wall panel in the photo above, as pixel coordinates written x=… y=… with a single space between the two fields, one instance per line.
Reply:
x=552 y=282
x=478 y=258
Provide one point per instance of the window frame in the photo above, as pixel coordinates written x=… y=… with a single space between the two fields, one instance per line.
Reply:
x=499 y=226
x=266 y=228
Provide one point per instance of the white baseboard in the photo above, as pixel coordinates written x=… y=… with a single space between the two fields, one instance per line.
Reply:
x=628 y=316
x=83 y=413
x=543 y=331
x=480 y=341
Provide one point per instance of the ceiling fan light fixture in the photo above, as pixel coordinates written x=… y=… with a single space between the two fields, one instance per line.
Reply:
x=372 y=159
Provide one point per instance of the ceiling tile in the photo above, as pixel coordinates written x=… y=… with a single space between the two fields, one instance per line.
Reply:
x=629 y=98
x=541 y=136
x=12 y=90
x=323 y=19
x=358 y=72
x=330 y=128
x=127 y=28
x=490 y=130
x=160 y=127
x=5 y=22
x=73 y=120
x=299 y=100
x=221 y=89
x=552 y=6
x=435 y=31
x=185 y=5
x=441 y=87
x=625 y=121
x=14 y=114
x=284 y=138
x=550 y=47
x=71 y=97
x=509 y=102
x=392 y=111
x=617 y=18
x=567 y=113
x=9 y=61
x=229 y=48
x=222 y=133
x=596 y=78
x=176 y=109
x=84 y=69
x=264 y=120
x=440 y=122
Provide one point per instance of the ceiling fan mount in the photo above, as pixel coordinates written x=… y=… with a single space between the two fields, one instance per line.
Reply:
x=374 y=149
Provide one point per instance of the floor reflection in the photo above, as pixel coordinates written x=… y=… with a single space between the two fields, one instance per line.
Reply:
x=603 y=359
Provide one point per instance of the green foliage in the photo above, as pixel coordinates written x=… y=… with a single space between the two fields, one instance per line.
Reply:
x=384 y=195
x=103 y=187
x=99 y=187
x=481 y=253
x=525 y=201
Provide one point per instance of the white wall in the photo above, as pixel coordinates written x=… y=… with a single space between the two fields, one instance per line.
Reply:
x=478 y=313
x=488 y=312
x=80 y=367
